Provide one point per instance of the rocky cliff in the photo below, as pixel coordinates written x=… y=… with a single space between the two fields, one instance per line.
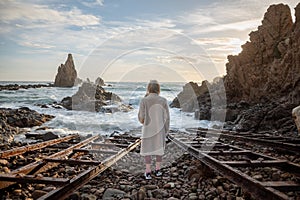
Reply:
x=268 y=68
x=66 y=74
x=262 y=83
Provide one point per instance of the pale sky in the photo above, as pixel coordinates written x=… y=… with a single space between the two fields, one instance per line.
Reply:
x=125 y=40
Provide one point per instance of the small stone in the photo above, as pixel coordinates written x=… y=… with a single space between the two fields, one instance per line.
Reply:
x=6 y=170
x=285 y=175
x=39 y=186
x=111 y=192
x=3 y=162
x=258 y=177
x=151 y=187
x=38 y=193
x=18 y=192
x=276 y=176
x=220 y=190
x=88 y=196
x=75 y=196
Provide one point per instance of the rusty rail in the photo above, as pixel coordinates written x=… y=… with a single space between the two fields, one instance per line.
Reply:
x=209 y=152
x=33 y=147
x=108 y=151
x=39 y=166
x=285 y=144
x=86 y=176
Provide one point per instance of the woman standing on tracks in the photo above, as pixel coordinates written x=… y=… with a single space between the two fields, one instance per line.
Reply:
x=155 y=117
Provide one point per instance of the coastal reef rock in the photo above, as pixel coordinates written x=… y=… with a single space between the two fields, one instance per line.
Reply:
x=296 y=116
x=262 y=82
x=66 y=75
x=92 y=97
x=13 y=119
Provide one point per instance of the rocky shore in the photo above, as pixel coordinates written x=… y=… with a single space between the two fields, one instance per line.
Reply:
x=13 y=120
x=184 y=177
x=17 y=87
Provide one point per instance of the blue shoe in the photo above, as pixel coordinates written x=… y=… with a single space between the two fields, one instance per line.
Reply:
x=147 y=176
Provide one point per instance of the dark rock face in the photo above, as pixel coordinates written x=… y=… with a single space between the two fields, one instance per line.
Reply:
x=266 y=73
x=262 y=83
x=94 y=98
x=66 y=75
x=99 y=81
x=268 y=67
x=13 y=119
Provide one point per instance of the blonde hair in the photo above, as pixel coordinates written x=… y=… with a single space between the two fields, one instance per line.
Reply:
x=153 y=87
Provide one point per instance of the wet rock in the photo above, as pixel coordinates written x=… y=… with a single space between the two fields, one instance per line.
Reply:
x=94 y=98
x=49 y=136
x=111 y=192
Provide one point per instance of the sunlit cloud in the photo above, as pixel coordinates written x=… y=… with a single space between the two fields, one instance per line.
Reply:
x=203 y=33
x=33 y=16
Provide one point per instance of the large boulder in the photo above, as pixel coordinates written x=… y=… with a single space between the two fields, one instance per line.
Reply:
x=296 y=116
x=13 y=119
x=187 y=99
x=66 y=75
x=94 y=98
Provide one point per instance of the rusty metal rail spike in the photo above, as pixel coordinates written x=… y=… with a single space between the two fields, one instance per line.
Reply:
x=259 y=190
x=32 y=147
x=80 y=180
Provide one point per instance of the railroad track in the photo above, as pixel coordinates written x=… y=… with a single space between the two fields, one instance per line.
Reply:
x=238 y=165
x=86 y=159
x=280 y=143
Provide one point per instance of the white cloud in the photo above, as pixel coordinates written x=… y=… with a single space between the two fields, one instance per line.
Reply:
x=33 y=16
x=93 y=3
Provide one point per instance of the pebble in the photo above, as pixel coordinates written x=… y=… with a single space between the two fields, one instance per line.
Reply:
x=88 y=197
x=38 y=193
x=111 y=192
x=6 y=170
x=3 y=162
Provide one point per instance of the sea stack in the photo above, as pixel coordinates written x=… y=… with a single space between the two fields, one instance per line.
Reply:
x=66 y=74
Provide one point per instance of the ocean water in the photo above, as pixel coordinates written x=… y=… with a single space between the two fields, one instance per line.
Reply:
x=83 y=122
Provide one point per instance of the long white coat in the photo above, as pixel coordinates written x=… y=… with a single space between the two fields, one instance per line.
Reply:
x=154 y=114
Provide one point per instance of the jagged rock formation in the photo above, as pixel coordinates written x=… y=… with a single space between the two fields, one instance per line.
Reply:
x=66 y=74
x=92 y=97
x=99 y=81
x=262 y=83
x=13 y=119
x=268 y=68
